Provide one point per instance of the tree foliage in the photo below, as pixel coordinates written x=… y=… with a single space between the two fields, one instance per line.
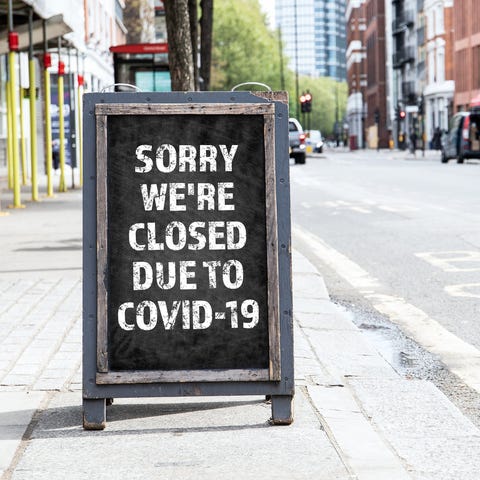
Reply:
x=246 y=49
x=329 y=102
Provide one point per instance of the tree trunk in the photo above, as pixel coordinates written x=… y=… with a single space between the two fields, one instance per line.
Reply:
x=206 y=26
x=179 y=45
x=192 y=10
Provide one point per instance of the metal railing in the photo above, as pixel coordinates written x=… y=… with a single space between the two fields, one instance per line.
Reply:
x=404 y=21
x=402 y=56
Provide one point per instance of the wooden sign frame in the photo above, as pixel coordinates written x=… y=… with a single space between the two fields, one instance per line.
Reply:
x=100 y=382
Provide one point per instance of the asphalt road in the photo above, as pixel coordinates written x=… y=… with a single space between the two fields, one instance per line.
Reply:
x=398 y=237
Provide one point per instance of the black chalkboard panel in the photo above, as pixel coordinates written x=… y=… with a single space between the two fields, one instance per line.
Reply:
x=186 y=268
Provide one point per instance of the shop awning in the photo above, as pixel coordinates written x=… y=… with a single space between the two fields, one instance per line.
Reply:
x=55 y=28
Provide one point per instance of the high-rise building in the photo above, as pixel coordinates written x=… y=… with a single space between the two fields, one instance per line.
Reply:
x=314 y=36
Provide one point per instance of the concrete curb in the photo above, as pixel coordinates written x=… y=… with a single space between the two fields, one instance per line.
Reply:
x=385 y=426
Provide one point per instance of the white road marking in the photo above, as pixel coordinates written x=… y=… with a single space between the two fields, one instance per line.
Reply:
x=356 y=276
x=360 y=209
x=306 y=205
x=346 y=206
x=366 y=206
x=459 y=356
x=448 y=260
x=398 y=209
x=464 y=290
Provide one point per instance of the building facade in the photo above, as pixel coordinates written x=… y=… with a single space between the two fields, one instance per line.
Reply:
x=408 y=68
x=367 y=111
x=440 y=86
x=313 y=36
x=377 y=133
x=466 y=53
x=356 y=72
x=79 y=33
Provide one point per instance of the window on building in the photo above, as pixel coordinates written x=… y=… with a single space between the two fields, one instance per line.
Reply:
x=476 y=67
x=430 y=29
x=431 y=66
x=476 y=16
x=440 y=64
x=461 y=81
x=439 y=27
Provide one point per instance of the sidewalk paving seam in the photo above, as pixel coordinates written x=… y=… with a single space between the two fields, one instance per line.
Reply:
x=19 y=452
x=326 y=428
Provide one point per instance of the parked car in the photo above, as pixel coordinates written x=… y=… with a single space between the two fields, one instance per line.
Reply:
x=463 y=137
x=296 y=138
x=314 y=141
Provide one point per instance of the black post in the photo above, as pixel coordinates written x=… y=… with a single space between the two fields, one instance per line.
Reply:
x=297 y=93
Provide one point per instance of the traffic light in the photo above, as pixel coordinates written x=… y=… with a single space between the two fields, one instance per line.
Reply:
x=303 y=102
x=308 y=102
x=400 y=113
x=421 y=105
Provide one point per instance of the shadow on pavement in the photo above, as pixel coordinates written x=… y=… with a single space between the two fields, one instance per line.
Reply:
x=55 y=422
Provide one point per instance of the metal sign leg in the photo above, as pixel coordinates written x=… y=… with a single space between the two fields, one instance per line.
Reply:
x=282 y=409
x=94 y=414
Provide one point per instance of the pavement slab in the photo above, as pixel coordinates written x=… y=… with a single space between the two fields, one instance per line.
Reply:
x=426 y=430
x=188 y=438
x=16 y=411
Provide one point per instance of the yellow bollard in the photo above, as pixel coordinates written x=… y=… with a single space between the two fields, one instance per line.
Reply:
x=61 y=126
x=9 y=138
x=33 y=129
x=47 y=62
x=23 y=145
x=16 y=167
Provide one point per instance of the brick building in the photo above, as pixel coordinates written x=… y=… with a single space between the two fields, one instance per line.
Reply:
x=366 y=73
x=376 y=92
x=356 y=72
x=466 y=53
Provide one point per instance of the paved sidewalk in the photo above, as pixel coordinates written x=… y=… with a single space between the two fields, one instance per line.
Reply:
x=355 y=416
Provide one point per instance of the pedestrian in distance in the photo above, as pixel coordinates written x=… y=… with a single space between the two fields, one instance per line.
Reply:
x=413 y=142
x=56 y=154
x=437 y=139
